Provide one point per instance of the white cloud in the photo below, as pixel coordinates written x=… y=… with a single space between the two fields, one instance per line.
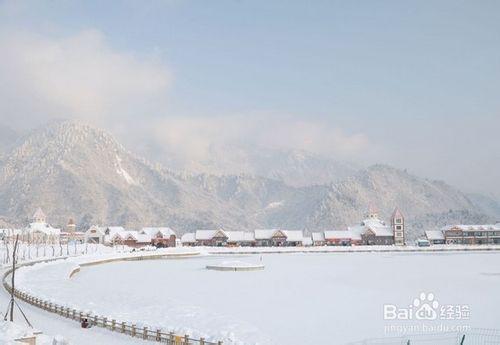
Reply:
x=79 y=76
x=194 y=137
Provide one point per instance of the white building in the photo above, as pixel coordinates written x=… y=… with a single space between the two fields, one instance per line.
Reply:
x=39 y=231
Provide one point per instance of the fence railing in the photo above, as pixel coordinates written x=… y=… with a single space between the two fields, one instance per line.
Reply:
x=127 y=328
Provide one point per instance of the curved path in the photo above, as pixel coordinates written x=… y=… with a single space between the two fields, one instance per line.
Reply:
x=53 y=325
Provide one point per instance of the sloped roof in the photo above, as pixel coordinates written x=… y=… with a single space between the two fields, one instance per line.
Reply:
x=188 y=237
x=114 y=229
x=397 y=213
x=98 y=229
x=434 y=235
x=294 y=235
x=208 y=234
x=130 y=234
x=476 y=227
x=43 y=228
x=152 y=231
x=318 y=236
x=264 y=234
x=39 y=214
x=240 y=236
x=378 y=227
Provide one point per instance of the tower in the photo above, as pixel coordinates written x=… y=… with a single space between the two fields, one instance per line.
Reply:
x=39 y=216
x=398 y=227
x=372 y=212
x=71 y=227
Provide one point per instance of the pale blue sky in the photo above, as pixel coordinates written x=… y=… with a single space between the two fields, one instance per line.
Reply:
x=419 y=80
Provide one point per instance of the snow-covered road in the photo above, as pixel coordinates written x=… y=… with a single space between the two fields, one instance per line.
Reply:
x=70 y=330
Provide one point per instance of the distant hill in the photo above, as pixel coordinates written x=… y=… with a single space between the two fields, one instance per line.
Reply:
x=75 y=170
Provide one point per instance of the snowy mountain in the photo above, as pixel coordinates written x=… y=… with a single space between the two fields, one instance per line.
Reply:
x=296 y=168
x=75 y=170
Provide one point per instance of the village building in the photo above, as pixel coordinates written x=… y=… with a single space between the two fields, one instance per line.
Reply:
x=371 y=231
x=39 y=231
x=95 y=234
x=70 y=234
x=318 y=238
x=398 y=227
x=435 y=237
x=160 y=237
x=188 y=239
x=212 y=238
x=342 y=238
x=240 y=238
x=278 y=238
x=471 y=234
x=130 y=238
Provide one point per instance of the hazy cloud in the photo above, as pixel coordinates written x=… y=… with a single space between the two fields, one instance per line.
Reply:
x=78 y=76
x=195 y=137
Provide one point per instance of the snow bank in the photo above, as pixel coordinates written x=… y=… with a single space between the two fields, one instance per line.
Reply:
x=10 y=332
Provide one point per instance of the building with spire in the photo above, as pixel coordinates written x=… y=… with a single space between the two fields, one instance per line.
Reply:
x=39 y=231
x=398 y=227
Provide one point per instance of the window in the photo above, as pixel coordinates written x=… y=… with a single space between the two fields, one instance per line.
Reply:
x=398 y=221
x=398 y=227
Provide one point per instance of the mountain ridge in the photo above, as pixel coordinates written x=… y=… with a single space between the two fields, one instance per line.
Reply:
x=76 y=170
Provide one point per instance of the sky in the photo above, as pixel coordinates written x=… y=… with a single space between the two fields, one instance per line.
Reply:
x=414 y=84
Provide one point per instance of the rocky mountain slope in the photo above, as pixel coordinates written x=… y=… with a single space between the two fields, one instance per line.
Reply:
x=74 y=170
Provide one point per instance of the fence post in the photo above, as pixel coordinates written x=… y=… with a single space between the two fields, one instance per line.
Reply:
x=158 y=335
x=219 y=343
x=186 y=339
x=96 y=319
x=133 y=331
x=202 y=341
x=123 y=326
x=113 y=324
x=145 y=333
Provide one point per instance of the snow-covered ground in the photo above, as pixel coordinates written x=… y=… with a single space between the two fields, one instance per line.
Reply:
x=297 y=299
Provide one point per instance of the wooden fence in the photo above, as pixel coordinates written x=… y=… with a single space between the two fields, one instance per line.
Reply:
x=156 y=335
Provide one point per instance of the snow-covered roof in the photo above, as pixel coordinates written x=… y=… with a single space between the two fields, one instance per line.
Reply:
x=114 y=229
x=318 y=236
x=264 y=234
x=152 y=231
x=130 y=235
x=341 y=234
x=188 y=237
x=240 y=236
x=375 y=225
x=294 y=235
x=95 y=230
x=209 y=234
x=39 y=215
x=463 y=227
x=43 y=228
x=434 y=235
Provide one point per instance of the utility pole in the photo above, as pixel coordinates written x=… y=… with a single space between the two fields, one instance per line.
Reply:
x=10 y=307
x=13 y=280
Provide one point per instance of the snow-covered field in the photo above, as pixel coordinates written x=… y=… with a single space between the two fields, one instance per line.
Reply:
x=297 y=299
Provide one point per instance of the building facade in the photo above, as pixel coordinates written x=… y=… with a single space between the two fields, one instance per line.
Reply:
x=471 y=234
